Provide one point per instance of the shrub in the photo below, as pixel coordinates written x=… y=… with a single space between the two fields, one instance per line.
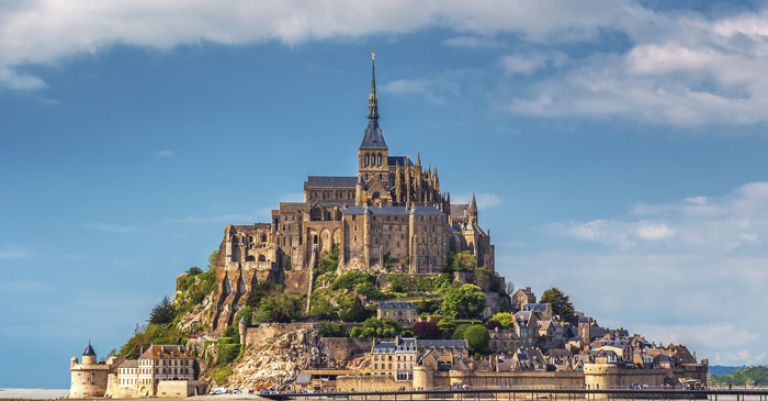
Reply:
x=349 y=280
x=426 y=330
x=330 y=329
x=373 y=327
x=505 y=319
x=227 y=353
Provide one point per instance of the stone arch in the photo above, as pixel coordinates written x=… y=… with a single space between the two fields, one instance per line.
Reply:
x=337 y=237
x=262 y=258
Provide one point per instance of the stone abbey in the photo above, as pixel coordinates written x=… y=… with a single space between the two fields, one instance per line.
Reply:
x=391 y=216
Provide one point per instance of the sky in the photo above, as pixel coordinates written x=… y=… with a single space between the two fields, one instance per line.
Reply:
x=617 y=149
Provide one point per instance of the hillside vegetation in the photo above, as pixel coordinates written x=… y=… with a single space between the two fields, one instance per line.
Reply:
x=751 y=375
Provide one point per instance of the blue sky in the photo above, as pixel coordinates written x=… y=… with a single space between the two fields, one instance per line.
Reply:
x=617 y=149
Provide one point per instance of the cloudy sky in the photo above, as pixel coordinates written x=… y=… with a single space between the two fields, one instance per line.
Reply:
x=617 y=149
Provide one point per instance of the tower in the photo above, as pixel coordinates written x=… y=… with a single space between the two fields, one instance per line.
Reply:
x=373 y=151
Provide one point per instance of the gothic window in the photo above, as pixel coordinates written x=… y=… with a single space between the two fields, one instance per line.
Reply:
x=378 y=160
x=366 y=160
x=263 y=237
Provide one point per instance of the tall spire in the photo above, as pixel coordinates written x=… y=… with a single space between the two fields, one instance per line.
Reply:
x=373 y=101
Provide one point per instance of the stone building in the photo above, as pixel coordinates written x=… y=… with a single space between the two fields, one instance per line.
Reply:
x=402 y=312
x=160 y=371
x=391 y=215
x=88 y=377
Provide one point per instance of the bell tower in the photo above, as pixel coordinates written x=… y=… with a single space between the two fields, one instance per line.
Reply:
x=373 y=151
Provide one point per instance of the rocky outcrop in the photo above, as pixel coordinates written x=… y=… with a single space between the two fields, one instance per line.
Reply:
x=272 y=361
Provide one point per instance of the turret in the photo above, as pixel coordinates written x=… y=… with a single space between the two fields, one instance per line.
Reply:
x=89 y=355
x=473 y=210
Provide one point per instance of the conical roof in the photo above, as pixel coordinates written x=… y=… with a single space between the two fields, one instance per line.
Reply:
x=89 y=350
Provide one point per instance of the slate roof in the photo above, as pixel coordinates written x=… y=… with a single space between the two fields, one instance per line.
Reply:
x=459 y=209
x=392 y=210
x=397 y=305
x=401 y=160
x=373 y=138
x=89 y=351
x=330 y=182
x=442 y=343
x=384 y=347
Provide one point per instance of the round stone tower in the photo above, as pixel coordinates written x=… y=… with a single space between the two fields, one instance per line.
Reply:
x=89 y=378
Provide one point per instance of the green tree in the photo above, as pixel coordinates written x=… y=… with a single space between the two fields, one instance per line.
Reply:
x=465 y=302
x=373 y=327
x=561 y=304
x=477 y=338
x=194 y=271
x=463 y=261
x=212 y=259
x=163 y=312
x=504 y=318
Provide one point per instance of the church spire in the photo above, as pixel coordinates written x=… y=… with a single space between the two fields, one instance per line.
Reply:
x=373 y=101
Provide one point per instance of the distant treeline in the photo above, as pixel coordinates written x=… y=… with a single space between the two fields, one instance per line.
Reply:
x=751 y=375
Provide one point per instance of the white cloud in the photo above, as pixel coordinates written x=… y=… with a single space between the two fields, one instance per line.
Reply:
x=683 y=69
x=434 y=90
x=691 y=271
x=693 y=71
x=46 y=31
x=110 y=228
x=531 y=62
x=17 y=81
x=12 y=251
x=165 y=153
x=477 y=42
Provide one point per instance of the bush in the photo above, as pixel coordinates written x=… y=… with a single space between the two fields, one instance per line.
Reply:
x=329 y=262
x=351 y=279
x=227 y=353
x=330 y=329
x=463 y=261
x=373 y=327
x=152 y=334
x=351 y=309
x=505 y=319
x=220 y=374
x=426 y=330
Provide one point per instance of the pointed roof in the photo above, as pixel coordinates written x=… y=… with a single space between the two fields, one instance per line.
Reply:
x=473 y=204
x=89 y=350
x=373 y=138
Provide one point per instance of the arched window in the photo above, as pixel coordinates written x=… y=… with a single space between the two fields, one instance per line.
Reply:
x=366 y=160
x=378 y=161
x=262 y=258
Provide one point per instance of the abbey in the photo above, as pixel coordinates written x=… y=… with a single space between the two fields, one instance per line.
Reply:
x=391 y=216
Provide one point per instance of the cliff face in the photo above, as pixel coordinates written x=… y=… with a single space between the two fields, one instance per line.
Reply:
x=271 y=360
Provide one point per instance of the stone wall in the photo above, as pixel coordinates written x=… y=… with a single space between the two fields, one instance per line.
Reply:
x=177 y=388
x=605 y=377
x=261 y=331
x=339 y=351
x=370 y=383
